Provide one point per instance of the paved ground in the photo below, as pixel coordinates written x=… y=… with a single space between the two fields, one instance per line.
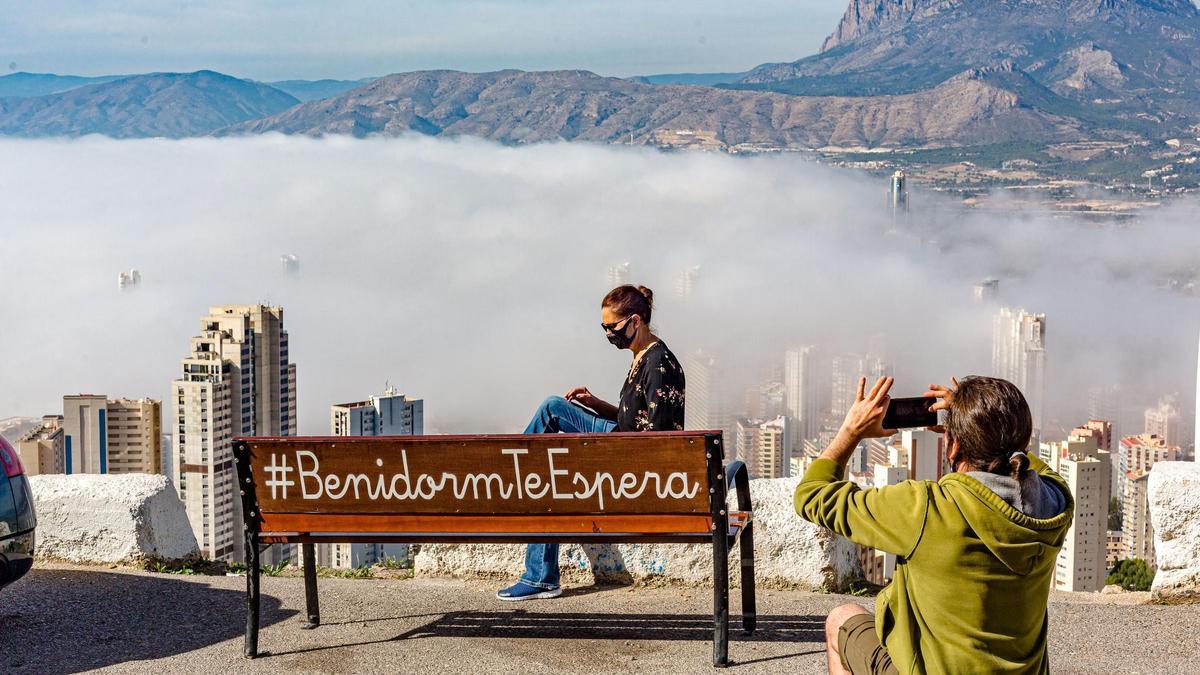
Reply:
x=71 y=619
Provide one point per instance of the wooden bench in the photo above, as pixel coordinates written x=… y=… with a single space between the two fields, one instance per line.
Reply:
x=652 y=487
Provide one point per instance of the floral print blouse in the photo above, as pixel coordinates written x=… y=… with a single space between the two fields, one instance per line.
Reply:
x=652 y=397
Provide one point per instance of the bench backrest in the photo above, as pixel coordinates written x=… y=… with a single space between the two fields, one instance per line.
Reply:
x=652 y=482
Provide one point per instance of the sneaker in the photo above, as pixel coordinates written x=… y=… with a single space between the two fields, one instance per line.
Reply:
x=523 y=591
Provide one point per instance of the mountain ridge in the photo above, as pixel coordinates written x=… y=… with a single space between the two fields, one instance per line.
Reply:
x=173 y=105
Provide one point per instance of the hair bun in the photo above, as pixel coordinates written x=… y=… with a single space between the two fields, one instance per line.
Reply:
x=649 y=294
x=1019 y=462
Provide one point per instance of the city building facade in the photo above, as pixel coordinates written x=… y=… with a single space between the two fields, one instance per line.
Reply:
x=237 y=380
x=43 y=448
x=103 y=435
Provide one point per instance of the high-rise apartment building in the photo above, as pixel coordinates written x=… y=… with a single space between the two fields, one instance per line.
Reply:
x=1019 y=356
x=103 y=435
x=773 y=459
x=685 y=282
x=43 y=448
x=135 y=436
x=389 y=414
x=1081 y=564
x=987 y=291
x=707 y=405
x=1137 y=533
x=801 y=393
x=1139 y=453
x=847 y=369
x=237 y=381
x=619 y=275
x=1104 y=432
x=1163 y=420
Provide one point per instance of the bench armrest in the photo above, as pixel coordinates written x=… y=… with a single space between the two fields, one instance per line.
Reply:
x=737 y=476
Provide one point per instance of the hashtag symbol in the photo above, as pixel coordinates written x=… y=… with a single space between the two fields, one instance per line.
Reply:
x=279 y=476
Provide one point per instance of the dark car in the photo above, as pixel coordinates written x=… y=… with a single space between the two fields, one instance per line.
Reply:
x=17 y=519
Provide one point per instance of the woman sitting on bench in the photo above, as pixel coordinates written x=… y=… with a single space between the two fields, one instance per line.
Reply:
x=651 y=400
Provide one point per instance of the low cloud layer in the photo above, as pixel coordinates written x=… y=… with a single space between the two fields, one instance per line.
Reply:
x=470 y=274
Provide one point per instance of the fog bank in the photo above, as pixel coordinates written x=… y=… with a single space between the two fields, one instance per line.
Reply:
x=470 y=274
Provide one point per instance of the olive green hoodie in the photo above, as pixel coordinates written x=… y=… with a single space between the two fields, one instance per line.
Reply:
x=972 y=575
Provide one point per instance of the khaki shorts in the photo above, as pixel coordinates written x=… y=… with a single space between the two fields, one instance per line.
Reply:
x=860 y=649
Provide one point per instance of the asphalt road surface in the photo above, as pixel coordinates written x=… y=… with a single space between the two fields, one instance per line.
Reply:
x=70 y=619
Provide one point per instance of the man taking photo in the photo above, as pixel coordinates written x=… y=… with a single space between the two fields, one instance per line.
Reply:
x=975 y=550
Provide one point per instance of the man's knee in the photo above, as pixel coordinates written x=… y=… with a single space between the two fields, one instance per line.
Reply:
x=837 y=617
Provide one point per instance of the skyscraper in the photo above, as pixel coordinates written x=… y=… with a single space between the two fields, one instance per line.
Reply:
x=774 y=449
x=1163 y=420
x=1019 y=356
x=707 y=406
x=1137 y=532
x=987 y=290
x=237 y=381
x=111 y=436
x=390 y=414
x=1086 y=468
x=898 y=197
x=685 y=282
x=800 y=392
x=619 y=275
x=847 y=369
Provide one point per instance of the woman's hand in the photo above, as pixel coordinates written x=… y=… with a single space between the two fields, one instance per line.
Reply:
x=583 y=397
x=944 y=396
x=865 y=417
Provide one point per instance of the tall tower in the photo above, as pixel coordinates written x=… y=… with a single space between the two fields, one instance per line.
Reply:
x=237 y=381
x=685 y=282
x=619 y=275
x=1084 y=462
x=800 y=393
x=707 y=406
x=898 y=197
x=1019 y=356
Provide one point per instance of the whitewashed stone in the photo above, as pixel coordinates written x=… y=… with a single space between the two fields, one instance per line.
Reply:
x=110 y=519
x=789 y=553
x=1174 y=495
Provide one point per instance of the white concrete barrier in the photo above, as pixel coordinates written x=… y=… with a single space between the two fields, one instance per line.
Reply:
x=110 y=519
x=1174 y=495
x=788 y=551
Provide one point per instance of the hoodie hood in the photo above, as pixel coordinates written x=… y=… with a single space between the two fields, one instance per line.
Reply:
x=1019 y=540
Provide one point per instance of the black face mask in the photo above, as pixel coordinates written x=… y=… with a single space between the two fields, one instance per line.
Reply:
x=619 y=339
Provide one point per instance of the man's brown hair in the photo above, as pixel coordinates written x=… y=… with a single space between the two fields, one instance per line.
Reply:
x=991 y=421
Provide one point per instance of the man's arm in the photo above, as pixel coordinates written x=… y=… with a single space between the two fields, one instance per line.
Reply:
x=890 y=519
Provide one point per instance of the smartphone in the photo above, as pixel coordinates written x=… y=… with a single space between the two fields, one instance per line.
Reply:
x=906 y=413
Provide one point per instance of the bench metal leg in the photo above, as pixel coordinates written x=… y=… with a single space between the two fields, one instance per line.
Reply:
x=252 y=595
x=310 y=586
x=721 y=596
x=746 y=543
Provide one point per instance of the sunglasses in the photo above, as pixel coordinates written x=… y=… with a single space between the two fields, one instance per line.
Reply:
x=612 y=327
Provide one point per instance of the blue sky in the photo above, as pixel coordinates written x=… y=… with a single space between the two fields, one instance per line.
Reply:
x=278 y=39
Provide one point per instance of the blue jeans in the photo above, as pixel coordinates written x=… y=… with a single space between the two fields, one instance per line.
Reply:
x=556 y=414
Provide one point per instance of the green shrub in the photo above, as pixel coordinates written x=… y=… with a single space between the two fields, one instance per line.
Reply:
x=1132 y=575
